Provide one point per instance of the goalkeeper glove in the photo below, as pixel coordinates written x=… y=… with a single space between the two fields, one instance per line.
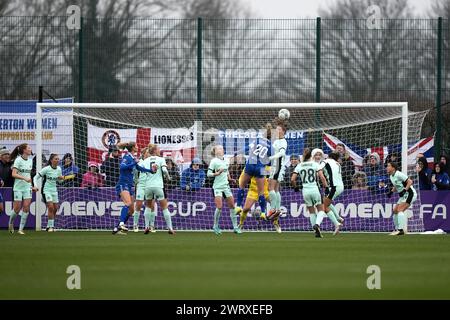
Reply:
x=297 y=189
x=327 y=191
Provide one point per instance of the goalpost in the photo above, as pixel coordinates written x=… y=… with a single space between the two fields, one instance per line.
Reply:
x=187 y=131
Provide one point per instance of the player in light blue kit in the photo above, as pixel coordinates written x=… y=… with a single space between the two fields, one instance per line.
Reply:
x=50 y=174
x=277 y=170
x=154 y=189
x=310 y=172
x=125 y=185
x=403 y=185
x=139 y=180
x=218 y=168
x=21 y=172
x=259 y=152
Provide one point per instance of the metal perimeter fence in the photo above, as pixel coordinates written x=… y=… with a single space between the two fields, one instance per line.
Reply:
x=232 y=60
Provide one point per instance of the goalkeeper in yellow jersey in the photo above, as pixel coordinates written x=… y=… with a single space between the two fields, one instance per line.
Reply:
x=252 y=198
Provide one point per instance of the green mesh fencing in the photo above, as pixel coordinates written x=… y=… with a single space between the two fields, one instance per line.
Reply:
x=229 y=60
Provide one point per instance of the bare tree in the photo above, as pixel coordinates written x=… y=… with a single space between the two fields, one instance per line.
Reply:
x=6 y=7
x=25 y=48
x=232 y=51
x=367 y=64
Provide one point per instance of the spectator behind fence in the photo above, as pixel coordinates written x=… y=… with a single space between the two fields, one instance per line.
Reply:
x=439 y=178
x=446 y=165
x=359 y=181
x=294 y=161
x=237 y=164
x=373 y=170
x=424 y=173
x=193 y=178
x=111 y=166
x=347 y=166
x=70 y=171
x=5 y=168
x=174 y=173
x=393 y=157
x=92 y=178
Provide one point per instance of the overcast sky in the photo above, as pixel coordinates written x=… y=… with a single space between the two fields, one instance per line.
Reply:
x=308 y=8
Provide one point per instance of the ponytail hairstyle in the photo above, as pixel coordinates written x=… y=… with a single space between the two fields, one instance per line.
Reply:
x=127 y=145
x=143 y=151
x=52 y=156
x=18 y=151
x=307 y=154
x=269 y=129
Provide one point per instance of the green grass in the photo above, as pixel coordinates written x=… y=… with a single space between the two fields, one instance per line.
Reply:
x=205 y=266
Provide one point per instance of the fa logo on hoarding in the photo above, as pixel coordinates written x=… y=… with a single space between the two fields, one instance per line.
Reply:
x=110 y=138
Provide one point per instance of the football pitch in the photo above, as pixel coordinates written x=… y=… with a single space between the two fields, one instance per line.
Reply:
x=200 y=265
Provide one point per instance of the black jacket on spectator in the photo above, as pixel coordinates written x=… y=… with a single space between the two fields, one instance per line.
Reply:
x=174 y=173
x=6 y=174
x=347 y=171
x=287 y=177
x=446 y=167
x=424 y=175
x=111 y=169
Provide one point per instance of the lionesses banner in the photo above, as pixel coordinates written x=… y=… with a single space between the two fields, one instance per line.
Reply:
x=100 y=209
x=18 y=125
x=178 y=143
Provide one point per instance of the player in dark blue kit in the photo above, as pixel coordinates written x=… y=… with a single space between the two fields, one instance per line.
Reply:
x=259 y=151
x=125 y=185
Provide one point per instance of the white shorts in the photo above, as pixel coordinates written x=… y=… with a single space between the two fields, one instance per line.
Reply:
x=155 y=194
x=51 y=196
x=20 y=195
x=335 y=192
x=140 y=193
x=408 y=197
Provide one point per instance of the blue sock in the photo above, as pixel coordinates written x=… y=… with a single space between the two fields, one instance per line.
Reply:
x=240 y=197
x=262 y=203
x=124 y=214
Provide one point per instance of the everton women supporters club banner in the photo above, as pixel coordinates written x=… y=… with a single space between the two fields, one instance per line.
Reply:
x=18 y=125
x=100 y=209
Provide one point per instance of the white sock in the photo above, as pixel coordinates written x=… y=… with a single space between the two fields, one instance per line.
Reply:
x=320 y=216
x=401 y=220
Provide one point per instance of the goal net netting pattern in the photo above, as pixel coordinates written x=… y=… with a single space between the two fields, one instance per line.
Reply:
x=371 y=134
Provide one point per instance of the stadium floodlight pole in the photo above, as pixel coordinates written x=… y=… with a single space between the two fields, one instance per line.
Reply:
x=38 y=203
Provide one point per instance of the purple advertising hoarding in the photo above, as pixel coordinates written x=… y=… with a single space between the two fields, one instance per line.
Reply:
x=361 y=209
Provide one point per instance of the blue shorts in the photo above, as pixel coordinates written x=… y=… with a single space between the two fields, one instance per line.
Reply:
x=125 y=187
x=255 y=170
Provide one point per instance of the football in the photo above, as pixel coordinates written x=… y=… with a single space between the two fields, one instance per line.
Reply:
x=284 y=114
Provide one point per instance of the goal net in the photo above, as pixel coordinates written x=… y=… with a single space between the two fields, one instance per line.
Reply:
x=371 y=133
